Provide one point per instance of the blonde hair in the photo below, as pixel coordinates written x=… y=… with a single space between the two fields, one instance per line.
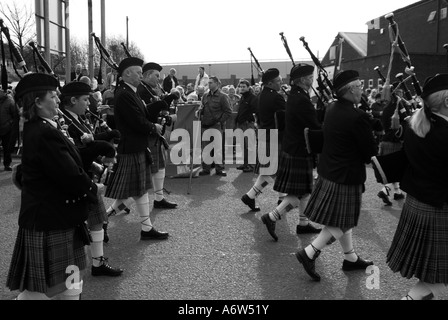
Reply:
x=420 y=123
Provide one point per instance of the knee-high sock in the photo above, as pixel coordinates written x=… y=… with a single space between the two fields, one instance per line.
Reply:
x=118 y=205
x=96 y=247
x=261 y=183
x=418 y=291
x=396 y=186
x=319 y=243
x=387 y=188
x=436 y=289
x=304 y=221
x=347 y=246
x=31 y=295
x=73 y=293
x=142 y=206
x=282 y=196
x=158 y=180
x=288 y=203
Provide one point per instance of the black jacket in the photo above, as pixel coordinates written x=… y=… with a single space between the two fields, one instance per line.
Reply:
x=247 y=108
x=55 y=188
x=300 y=114
x=348 y=144
x=168 y=85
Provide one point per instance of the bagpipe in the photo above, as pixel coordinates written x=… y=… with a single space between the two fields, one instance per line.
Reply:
x=14 y=53
x=446 y=48
x=279 y=115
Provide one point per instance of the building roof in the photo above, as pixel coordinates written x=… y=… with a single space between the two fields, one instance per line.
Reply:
x=357 y=40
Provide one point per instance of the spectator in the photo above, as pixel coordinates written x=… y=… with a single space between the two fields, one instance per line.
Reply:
x=201 y=79
x=170 y=82
x=9 y=124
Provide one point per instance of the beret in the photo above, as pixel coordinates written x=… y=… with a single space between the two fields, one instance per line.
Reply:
x=76 y=88
x=36 y=82
x=152 y=66
x=129 y=62
x=301 y=70
x=434 y=84
x=270 y=75
x=345 y=77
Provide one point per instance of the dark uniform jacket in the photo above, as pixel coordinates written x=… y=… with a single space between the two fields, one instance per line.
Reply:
x=348 y=144
x=426 y=175
x=300 y=114
x=270 y=102
x=55 y=188
x=131 y=119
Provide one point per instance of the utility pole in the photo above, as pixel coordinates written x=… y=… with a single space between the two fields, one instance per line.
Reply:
x=91 y=67
x=68 y=56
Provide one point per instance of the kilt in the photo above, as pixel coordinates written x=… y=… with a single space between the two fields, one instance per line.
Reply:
x=132 y=177
x=389 y=147
x=335 y=205
x=157 y=154
x=97 y=212
x=294 y=175
x=420 y=245
x=40 y=260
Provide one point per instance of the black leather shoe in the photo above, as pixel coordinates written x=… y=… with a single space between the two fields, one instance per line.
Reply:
x=360 y=264
x=250 y=203
x=153 y=234
x=385 y=198
x=398 y=196
x=106 y=236
x=309 y=228
x=248 y=169
x=204 y=173
x=164 y=204
x=241 y=167
x=8 y=168
x=221 y=173
x=309 y=264
x=270 y=225
x=105 y=269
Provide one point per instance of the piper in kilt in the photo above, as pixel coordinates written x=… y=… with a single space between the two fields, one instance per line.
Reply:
x=132 y=175
x=393 y=118
x=420 y=245
x=336 y=199
x=295 y=170
x=270 y=102
x=56 y=193
x=75 y=101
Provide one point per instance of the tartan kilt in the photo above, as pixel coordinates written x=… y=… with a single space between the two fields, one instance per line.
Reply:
x=157 y=154
x=263 y=159
x=132 y=177
x=97 y=212
x=294 y=175
x=40 y=260
x=335 y=205
x=389 y=147
x=420 y=245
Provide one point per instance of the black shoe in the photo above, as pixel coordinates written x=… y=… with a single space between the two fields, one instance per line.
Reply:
x=112 y=212
x=250 y=203
x=270 y=225
x=204 y=173
x=248 y=169
x=164 y=204
x=241 y=167
x=221 y=173
x=309 y=228
x=8 y=168
x=153 y=234
x=398 y=196
x=309 y=264
x=360 y=264
x=106 y=236
x=385 y=198
x=105 y=269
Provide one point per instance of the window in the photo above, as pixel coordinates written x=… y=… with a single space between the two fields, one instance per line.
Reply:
x=380 y=82
x=432 y=16
x=370 y=83
x=443 y=13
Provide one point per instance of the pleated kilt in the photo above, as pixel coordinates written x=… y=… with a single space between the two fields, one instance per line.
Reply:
x=420 y=245
x=40 y=260
x=386 y=147
x=335 y=205
x=97 y=212
x=132 y=177
x=157 y=155
x=294 y=175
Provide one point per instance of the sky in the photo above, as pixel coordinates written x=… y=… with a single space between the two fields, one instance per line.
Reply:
x=192 y=31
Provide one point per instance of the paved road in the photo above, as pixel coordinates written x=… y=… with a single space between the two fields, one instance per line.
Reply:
x=220 y=251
